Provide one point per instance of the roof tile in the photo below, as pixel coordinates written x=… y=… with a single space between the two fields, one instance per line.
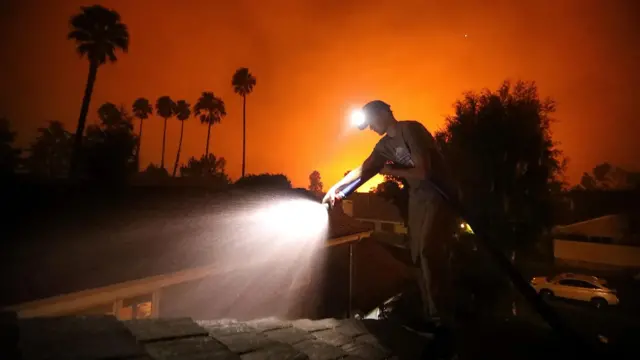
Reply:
x=92 y=337
x=101 y=337
x=147 y=330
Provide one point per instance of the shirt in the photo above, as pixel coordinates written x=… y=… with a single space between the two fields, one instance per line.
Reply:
x=412 y=137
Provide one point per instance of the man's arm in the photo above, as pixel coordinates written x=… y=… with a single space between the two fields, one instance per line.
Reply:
x=369 y=168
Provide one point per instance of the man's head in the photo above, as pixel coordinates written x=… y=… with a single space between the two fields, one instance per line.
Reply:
x=378 y=116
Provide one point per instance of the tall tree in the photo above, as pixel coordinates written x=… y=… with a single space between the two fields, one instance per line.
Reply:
x=500 y=147
x=50 y=153
x=315 y=182
x=141 y=110
x=211 y=110
x=165 y=108
x=182 y=112
x=243 y=82
x=98 y=33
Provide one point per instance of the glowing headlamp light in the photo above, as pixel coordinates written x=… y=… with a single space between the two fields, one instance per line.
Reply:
x=358 y=119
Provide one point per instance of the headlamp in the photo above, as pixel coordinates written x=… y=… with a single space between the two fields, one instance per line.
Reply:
x=358 y=119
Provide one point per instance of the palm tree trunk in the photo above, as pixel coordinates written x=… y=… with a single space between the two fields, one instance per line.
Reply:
x=82 y=120
x=175 y=166
x=139 y=144
x=206 y=152
x=164 y=138
x=244 y=131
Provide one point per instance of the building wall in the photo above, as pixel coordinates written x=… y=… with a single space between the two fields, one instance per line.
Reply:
x=609 y=254
x=134 y=306
x=611 y=226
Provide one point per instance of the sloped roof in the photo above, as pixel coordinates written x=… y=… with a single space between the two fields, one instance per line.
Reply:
x=104 y=337
x=374 y=207
x=71 y=254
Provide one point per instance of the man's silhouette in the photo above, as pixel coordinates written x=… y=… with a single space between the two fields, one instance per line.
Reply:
x=409 y=151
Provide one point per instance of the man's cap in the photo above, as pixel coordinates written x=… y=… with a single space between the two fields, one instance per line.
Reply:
x=372 y=107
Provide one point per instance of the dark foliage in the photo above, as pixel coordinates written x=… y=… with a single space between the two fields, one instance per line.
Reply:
x=315 y=182
x=208 y=167
x=500 y=147
x=271 y=181
x=9 y=155
x=50 y=153
x=109 y=151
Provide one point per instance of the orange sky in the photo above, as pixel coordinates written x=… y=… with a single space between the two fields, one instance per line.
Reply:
x=315 y=59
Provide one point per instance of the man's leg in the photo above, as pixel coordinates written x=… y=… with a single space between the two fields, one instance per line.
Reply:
x=436 y=234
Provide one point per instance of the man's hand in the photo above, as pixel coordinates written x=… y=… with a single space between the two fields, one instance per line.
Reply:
x=330 y=198
x=387 y=170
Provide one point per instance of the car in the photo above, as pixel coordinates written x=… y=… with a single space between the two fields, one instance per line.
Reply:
x=580 y=287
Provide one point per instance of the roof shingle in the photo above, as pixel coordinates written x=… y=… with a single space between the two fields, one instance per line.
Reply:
x=100 y=337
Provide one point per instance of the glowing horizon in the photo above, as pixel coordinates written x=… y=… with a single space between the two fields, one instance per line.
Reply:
x=312 y=63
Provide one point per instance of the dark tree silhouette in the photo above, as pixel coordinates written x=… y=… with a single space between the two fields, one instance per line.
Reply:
x=9 y=155
x=208 y=166
x=607 y=177
x=110 y=147
x=243 y=83
x=165 y=108
x=500 y=147
x=182 y=112
x=315 y=183
x=211 y=110
x=154 y=172
x=98 y=33
x=587 y=182
x=141 y=109
x=109 y=114
x=269 y=181
x=396 y=191
x=50 y=153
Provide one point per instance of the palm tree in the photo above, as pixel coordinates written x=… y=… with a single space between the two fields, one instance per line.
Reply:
x=109 y=114
x=141 y=109
x=243 y=83
x=182 y=112
x=211 y=110
x=98 y=33
x=164 y=108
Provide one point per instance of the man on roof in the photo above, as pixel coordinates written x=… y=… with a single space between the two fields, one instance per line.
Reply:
x=407 y=150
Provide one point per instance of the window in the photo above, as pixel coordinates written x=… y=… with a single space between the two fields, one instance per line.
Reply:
x=387 y=227
x=139 y=307
x=400 y=229
x=369 y=223
x=577 y=283
x=585 y=284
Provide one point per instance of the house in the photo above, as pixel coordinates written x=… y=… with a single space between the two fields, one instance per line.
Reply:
x=372 y=209
x=137 y=269
x=611 y=240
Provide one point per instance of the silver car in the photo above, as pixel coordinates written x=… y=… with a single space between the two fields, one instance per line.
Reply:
x=576 y=287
